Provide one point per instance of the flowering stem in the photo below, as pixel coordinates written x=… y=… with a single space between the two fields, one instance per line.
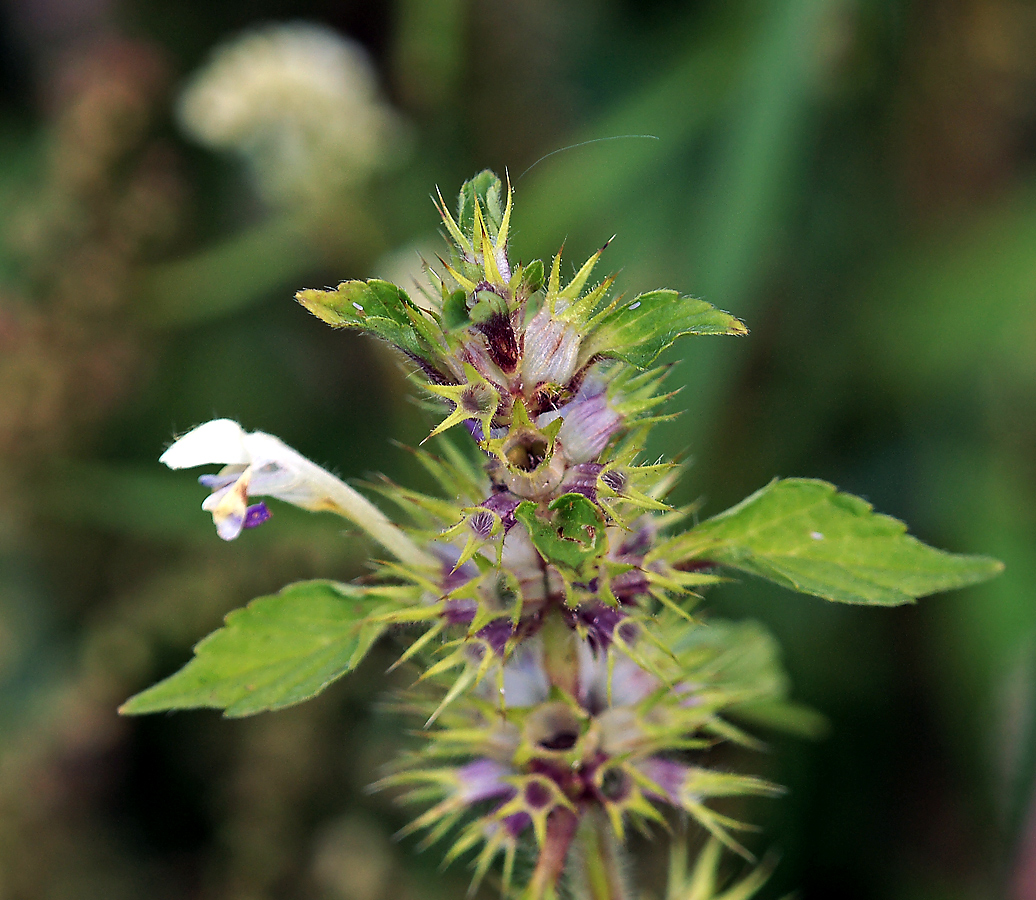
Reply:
x=600 y=859
x=561 y=829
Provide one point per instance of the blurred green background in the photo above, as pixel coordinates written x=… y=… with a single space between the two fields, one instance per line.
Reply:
x=854 y=179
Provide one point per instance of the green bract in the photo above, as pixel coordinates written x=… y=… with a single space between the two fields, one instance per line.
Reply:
x=547 y=585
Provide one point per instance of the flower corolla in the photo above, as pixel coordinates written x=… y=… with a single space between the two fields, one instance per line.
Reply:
x=255 y=464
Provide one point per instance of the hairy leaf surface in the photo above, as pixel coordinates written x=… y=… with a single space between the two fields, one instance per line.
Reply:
x=575 y=534
x=275 y=652
x=639 y=331
x=807 y=536
x=377 y=307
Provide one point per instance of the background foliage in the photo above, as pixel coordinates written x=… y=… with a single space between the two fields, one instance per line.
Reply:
x=853 y=179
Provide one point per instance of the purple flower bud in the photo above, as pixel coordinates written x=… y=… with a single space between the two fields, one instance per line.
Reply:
x=483 y=779
x=589 y=424
x=600 y=620
x=669 y=776
x=582 y=479
x=638 y=541
x=503 y=503
x=496 y=634
x=516 y=824
x=460 y=611
x=628 y=586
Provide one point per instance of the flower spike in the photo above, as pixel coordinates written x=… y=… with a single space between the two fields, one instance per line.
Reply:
x=548 y=595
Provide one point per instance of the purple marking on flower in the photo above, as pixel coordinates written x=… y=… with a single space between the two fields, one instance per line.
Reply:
x=503 y=503
x=669 y=776
x=256 y=514
x=601 y=621
x=474 y=427
x=218 y=481
x=614 y=480
x=536 y=795
x=483 y=779
x=497 y=633
x=517 y=823
x=481 y=523
x=460 y=611
x=582 y=479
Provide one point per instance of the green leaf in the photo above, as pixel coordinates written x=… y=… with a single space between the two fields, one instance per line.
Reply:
x=532 y=278
x=277 y=651
x=805 y=535
x=639 y=331
x=574 y=535
x=488 y=305
x=377 y=307
x=745 y=659
x=487 y=187
x=455 y=311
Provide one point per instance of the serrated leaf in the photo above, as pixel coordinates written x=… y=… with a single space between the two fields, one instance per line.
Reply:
x=640 y=330
x=574 y=535
x=805 y=535
x=277 y=651
x=377 y=307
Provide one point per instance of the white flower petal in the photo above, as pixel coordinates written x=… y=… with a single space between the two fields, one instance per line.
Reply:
x=551 y=350
x=219 y=441
x=229 y=506
x=270 y=468
x=525 y=680
x=281 y=472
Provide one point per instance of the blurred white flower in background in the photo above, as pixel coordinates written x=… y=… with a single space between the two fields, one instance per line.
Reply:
x=301 y=104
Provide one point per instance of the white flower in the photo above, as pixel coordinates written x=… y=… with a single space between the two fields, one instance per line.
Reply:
x=256 y=464
x=551 y=349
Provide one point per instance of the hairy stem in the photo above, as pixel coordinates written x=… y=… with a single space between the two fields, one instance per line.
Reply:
x=561 y=829
x=600 y=859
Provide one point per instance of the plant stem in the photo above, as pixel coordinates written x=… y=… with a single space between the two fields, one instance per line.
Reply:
x=600 y=858
x=561 y=829
x=561 y=654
